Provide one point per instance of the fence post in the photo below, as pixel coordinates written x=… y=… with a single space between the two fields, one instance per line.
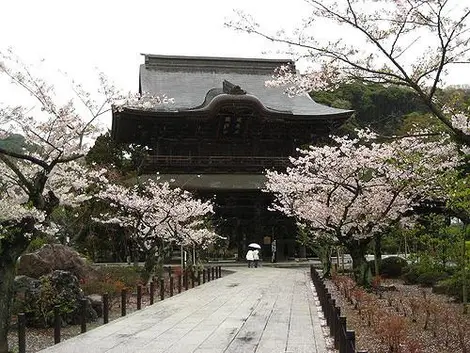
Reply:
x=123 y=302
x=337 y=325
x=139 y=297
x=179 y=283
x=213 y=273
x=326 y=309
x=171 y=285
x=326 y=300
x=83 y=310
x=350 y=342
x=152 y=291
x=162 y=288
x=204 y=275
x=220 y=271
x=341 y=335
x=192 y=279
x=105 y=308
x=332 y=305
x=186 y=284
x=57 y=324
x=198 y=277
x=21 y=333
x=208 y=270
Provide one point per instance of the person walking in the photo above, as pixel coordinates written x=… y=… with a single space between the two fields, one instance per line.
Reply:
x=249 y=258
x=255 y=257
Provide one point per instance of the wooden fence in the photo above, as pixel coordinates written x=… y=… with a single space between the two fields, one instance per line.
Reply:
x=344 y=339
x=182 y=281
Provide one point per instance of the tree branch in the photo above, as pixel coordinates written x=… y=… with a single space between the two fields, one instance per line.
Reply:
x=32 y=159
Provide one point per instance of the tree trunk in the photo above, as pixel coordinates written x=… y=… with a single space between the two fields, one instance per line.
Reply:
x=324 y=252
x=464 y=269
x=149 y=265
x=326 y=261
x=377 y=253
x=7 y=280
x=11 y=247
x=357 y=250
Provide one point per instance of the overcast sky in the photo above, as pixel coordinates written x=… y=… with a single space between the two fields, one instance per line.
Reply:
x=79 y=36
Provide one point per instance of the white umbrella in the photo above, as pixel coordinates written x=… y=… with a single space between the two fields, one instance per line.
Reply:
x=254 y=245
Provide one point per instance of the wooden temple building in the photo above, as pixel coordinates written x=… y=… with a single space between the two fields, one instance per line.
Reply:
x=224 y=129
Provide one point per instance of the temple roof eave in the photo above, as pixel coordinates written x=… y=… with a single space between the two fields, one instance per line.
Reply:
x=222 y=100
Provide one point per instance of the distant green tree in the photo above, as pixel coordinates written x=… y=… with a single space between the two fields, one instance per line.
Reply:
x=379 y=107
x=125 y=158
x=13 y=143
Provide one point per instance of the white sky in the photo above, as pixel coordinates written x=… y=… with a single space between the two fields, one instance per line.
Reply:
x=79 y=36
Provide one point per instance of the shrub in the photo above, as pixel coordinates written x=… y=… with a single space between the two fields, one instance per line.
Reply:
x=58 y=288
x=376 y=283
x=101 y=286
x=390 y=267
x=393 y=267
x=411 y=276
x=453 y=286
x=428 y=279
x=36 y=244
x=130 y=276
x=424 y=275
x=393 y=332
x=112 y=280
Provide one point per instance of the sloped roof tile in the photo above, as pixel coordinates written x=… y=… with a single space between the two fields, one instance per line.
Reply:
x=189 y=79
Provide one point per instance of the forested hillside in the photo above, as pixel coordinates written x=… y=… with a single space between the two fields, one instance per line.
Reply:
x=387 y=109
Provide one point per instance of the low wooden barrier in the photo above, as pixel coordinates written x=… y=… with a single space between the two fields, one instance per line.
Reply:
x=344 y=339
x=187 y=275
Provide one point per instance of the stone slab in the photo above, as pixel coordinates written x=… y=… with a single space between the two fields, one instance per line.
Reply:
x=256 y=310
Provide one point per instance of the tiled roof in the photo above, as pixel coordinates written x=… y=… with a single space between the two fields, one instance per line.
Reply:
x=194 y=81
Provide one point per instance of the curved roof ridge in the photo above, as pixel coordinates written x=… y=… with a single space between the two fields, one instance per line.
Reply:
x=195 y=85
x=213 y=64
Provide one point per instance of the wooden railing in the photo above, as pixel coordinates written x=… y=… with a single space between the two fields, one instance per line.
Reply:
x=344 y=339
x=214 y=161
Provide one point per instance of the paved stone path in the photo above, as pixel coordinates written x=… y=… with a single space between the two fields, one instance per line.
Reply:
x=262 y=310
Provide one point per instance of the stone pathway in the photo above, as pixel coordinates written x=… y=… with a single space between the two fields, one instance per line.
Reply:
x=262 y=310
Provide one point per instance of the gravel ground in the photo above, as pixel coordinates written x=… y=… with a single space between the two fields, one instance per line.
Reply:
x=39 y=338
x=326 y=331
x=409 y=319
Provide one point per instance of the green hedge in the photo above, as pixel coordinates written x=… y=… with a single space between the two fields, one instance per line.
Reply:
x=427 y=278
x=390 y=267
x=453 y=286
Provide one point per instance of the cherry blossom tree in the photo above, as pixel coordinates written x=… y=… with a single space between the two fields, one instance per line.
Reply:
x=412 y=43
x=358 y=187
x=48 y=171
x=158 y=214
